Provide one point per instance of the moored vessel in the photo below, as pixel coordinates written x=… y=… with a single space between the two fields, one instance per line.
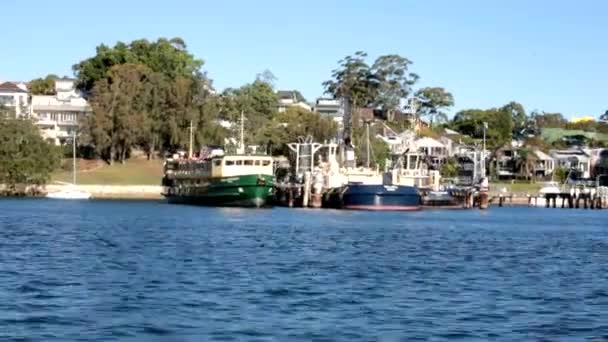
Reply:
x=356 y=196
x=219 y=180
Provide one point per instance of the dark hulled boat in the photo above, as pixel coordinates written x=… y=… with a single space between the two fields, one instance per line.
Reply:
x=373 y=197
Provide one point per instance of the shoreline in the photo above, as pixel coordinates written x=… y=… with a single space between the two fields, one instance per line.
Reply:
x=125 y=192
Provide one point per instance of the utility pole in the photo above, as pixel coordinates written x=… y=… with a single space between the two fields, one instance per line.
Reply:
x=367 y=137
x=485 y=127
x=242 y=141
x=190 y=143
x=483 y=153
x=74 y=158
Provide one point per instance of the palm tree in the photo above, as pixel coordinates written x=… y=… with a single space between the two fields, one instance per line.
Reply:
x=526 y=162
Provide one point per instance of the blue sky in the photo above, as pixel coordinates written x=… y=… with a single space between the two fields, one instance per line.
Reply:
x=548 y=55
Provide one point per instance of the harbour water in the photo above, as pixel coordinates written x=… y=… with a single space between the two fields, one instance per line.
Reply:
x=149 y=271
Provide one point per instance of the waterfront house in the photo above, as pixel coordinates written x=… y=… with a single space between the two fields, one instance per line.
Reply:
x=505 y=162
x=544 y=165
x=433 y=149
x=58 y=115
x=288 y=98
x=573 y=159
x=14 y=97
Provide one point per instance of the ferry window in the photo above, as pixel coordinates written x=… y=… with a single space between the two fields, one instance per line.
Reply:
x=229 y=162
x=217 y=162
x=239 y=162
x=248 y=162
x=257 y=163
x=266 y=162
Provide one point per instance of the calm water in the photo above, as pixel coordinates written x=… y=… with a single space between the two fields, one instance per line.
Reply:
x=146 y=271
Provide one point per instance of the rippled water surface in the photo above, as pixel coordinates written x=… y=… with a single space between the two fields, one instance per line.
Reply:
x=148 y=271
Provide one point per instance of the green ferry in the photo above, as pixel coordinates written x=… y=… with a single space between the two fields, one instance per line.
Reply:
x=220 y=180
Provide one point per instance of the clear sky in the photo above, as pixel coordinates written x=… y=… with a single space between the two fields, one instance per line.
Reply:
x=550 y=55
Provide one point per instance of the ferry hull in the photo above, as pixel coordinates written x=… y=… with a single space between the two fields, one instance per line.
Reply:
x=242 y=191
x=374 y=197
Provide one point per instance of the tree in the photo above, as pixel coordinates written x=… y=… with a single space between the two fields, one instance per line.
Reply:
x=548 y=120
x=6 y=112
x=383 y=85
x=434 y=101
x=166 y=56
x=395 y=80
x=258 y=103
x=266 y=76
x=354 y=80
x=299 y=96
x=297 y=122
x=355 y=83
x=43 y=86
x=118 y=103
x=449 y=169
x=25 y=158
x=501 y=126
x=518 y=117
x=525 y=163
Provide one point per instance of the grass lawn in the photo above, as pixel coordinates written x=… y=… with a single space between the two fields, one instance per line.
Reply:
x=133 y=172
x=517 y=187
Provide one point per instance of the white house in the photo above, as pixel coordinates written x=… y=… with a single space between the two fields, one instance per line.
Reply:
x=573 y=159
x=58 y=115
x=434 y=149
x=330 y=108
x=288 y=98
x=14 y=96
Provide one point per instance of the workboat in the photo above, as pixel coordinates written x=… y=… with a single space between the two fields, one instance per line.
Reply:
x=238 y=180
x=359 y=196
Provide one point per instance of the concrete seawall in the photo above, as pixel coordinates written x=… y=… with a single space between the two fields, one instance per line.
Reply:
x=114 y=191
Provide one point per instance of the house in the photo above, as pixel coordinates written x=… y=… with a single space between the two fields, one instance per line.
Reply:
x=471 y=165
x=14 y=97
x=434 y=149
x=330 y=108
x=573 y=159
x=58 y=115
x=414 y=120
x=288 y=98
x=599 y=161
x=544 y=165
x=505 y=160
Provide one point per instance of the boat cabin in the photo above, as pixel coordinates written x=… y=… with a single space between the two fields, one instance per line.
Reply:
x=237 y=165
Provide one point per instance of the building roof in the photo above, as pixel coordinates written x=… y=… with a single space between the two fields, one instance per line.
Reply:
x=285 y=94
x=542 y=155
x=564 y=154
x=428 y=142
x=448 y=131
x=10 y=87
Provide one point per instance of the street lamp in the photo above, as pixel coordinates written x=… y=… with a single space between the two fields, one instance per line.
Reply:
x=483 y=153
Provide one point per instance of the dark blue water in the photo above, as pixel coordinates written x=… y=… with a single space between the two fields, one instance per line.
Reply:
x=145 y=271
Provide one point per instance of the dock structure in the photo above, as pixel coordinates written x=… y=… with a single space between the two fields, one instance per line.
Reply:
x=575 y=199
